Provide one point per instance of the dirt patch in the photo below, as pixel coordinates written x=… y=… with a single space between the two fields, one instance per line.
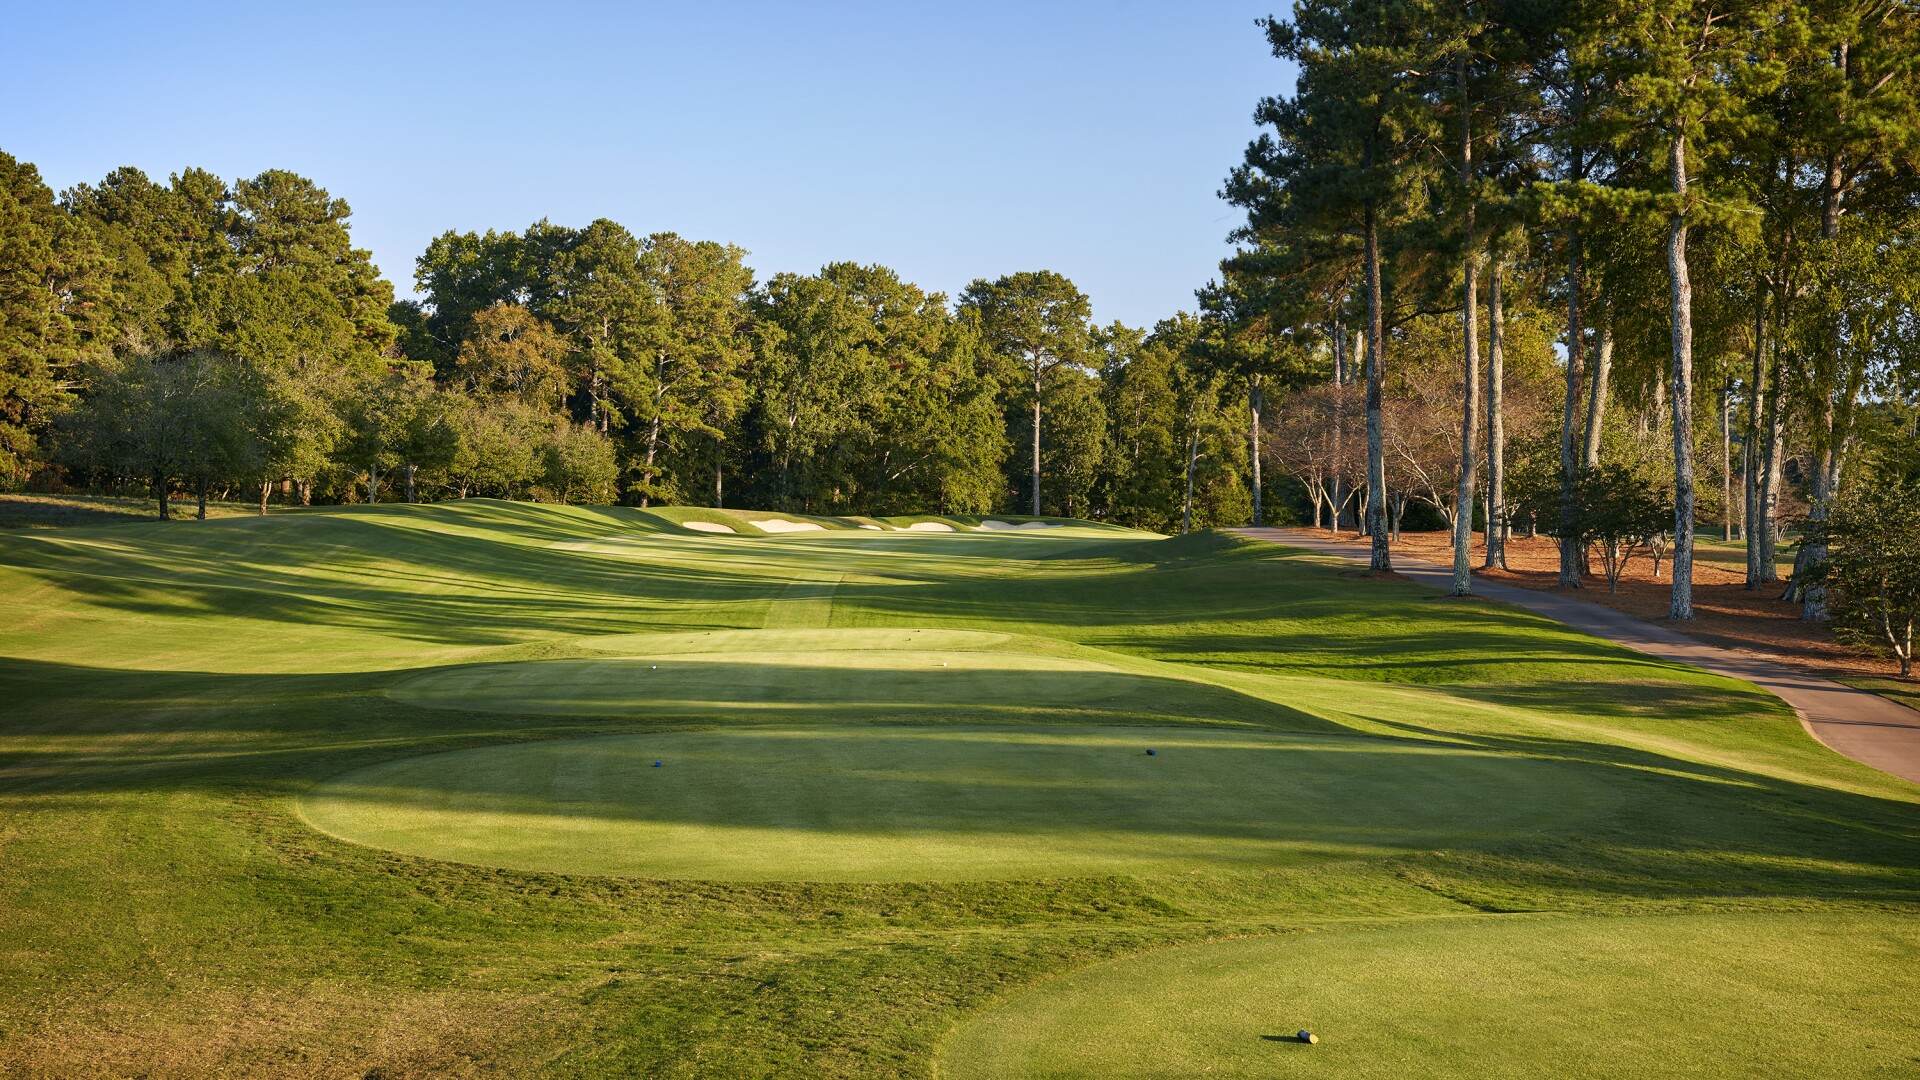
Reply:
x=1726 y=612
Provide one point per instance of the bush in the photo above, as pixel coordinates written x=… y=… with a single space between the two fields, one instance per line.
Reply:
x=1873 y=569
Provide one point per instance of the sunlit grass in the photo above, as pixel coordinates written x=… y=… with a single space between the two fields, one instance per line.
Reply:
x=173 y=692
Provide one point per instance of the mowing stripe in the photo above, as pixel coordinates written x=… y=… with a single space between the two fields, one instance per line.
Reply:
x=803 y=605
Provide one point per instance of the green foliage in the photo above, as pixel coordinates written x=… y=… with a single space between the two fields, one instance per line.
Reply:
x=51 y=273
x=1035 y=326
x=577 y=465
x=1619 y=513
x=1874 y=566
x=164 y=418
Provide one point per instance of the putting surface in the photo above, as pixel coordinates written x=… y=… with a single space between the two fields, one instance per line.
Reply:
x=1503 y=996
x=945 y=802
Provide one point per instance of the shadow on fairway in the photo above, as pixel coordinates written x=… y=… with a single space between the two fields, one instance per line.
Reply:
x=881 y=685
x=1686 y=829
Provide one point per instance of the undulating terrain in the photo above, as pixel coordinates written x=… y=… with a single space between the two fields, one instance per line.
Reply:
x=499 y=788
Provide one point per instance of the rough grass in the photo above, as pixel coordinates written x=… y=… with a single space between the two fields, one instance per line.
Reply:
x=173 y=691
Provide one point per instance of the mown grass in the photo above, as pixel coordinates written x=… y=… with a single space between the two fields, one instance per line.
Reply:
x=173 y=691
x=1904 y=691
x=1732 y=994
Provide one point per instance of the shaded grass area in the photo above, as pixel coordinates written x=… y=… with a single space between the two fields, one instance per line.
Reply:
x=1904 y=691
x=946 y=802
x=33 y=511
x=173 y=690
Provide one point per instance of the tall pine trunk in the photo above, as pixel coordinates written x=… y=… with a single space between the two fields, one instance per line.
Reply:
x=1681 y=310
x=1193 y=453
x=1253 y=438
x=1756 y=414
x=653 y=446
x=1834 y=423
x=1470 y=394
x=1570 y=555
x=1036 y=446
x=1339 y=419
x=1377 y=525
x=1726 y=460
x=1772 y=476
x=1496 y=425
x=1600 y=378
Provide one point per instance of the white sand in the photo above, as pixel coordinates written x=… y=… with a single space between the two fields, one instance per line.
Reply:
x=782 y=525
x=875 y=528
x=707 y=526
x=997 y=526
x=929 y=526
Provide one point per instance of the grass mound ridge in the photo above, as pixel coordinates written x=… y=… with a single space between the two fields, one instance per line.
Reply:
x=172 y=690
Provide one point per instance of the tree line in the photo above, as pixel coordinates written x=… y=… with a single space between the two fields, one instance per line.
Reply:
x=200 y=338
x=1689 y=221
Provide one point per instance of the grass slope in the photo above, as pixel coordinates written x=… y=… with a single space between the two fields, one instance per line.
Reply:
x=944 y=802
x=1696 y=996
x=174 y=693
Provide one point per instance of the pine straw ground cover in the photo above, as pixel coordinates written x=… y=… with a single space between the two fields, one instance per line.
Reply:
x=176 y=696
x=1726 y=612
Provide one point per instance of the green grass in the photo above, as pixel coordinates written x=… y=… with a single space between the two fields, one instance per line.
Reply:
x=1697 y=996
x=946 y=802
x=179 y=697
x=61 y=511
x=1904 y=691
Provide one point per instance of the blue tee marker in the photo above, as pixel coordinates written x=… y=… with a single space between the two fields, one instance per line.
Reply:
x=1150 y=753
x=656 y=764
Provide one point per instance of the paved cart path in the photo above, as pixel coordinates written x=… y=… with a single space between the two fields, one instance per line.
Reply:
x=1865 y=727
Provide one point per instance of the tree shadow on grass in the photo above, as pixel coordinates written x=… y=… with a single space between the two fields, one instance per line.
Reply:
x=1679 y=829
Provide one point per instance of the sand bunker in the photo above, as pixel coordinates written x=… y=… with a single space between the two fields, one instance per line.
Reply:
x=782 y=525
x=875 y=528
x=930 y=526
x=996 y=526
x=707 y=526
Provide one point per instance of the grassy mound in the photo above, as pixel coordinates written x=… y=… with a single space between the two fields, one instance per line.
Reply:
x=176 y=693
x=879 y=803
x=836 y=676
x=1727 y=995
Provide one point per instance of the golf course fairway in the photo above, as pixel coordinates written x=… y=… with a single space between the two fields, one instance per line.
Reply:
x=370 y=791
x=882 y=803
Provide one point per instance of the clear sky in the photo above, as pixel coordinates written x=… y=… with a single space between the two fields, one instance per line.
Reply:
x=949 y=142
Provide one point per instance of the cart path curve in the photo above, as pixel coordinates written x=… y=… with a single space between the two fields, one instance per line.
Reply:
x=1863 y=726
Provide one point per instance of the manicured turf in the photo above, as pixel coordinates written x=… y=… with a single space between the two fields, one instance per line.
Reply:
x=178 y=697
x=1696 y=996
x=882 y=803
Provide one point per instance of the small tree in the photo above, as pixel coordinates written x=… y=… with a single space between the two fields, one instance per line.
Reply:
x=1873 y=567
x=578 y=466
x=166 y=417
x=1620 y=514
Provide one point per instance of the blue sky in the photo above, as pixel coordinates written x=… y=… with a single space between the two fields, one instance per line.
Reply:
x=948 y=142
